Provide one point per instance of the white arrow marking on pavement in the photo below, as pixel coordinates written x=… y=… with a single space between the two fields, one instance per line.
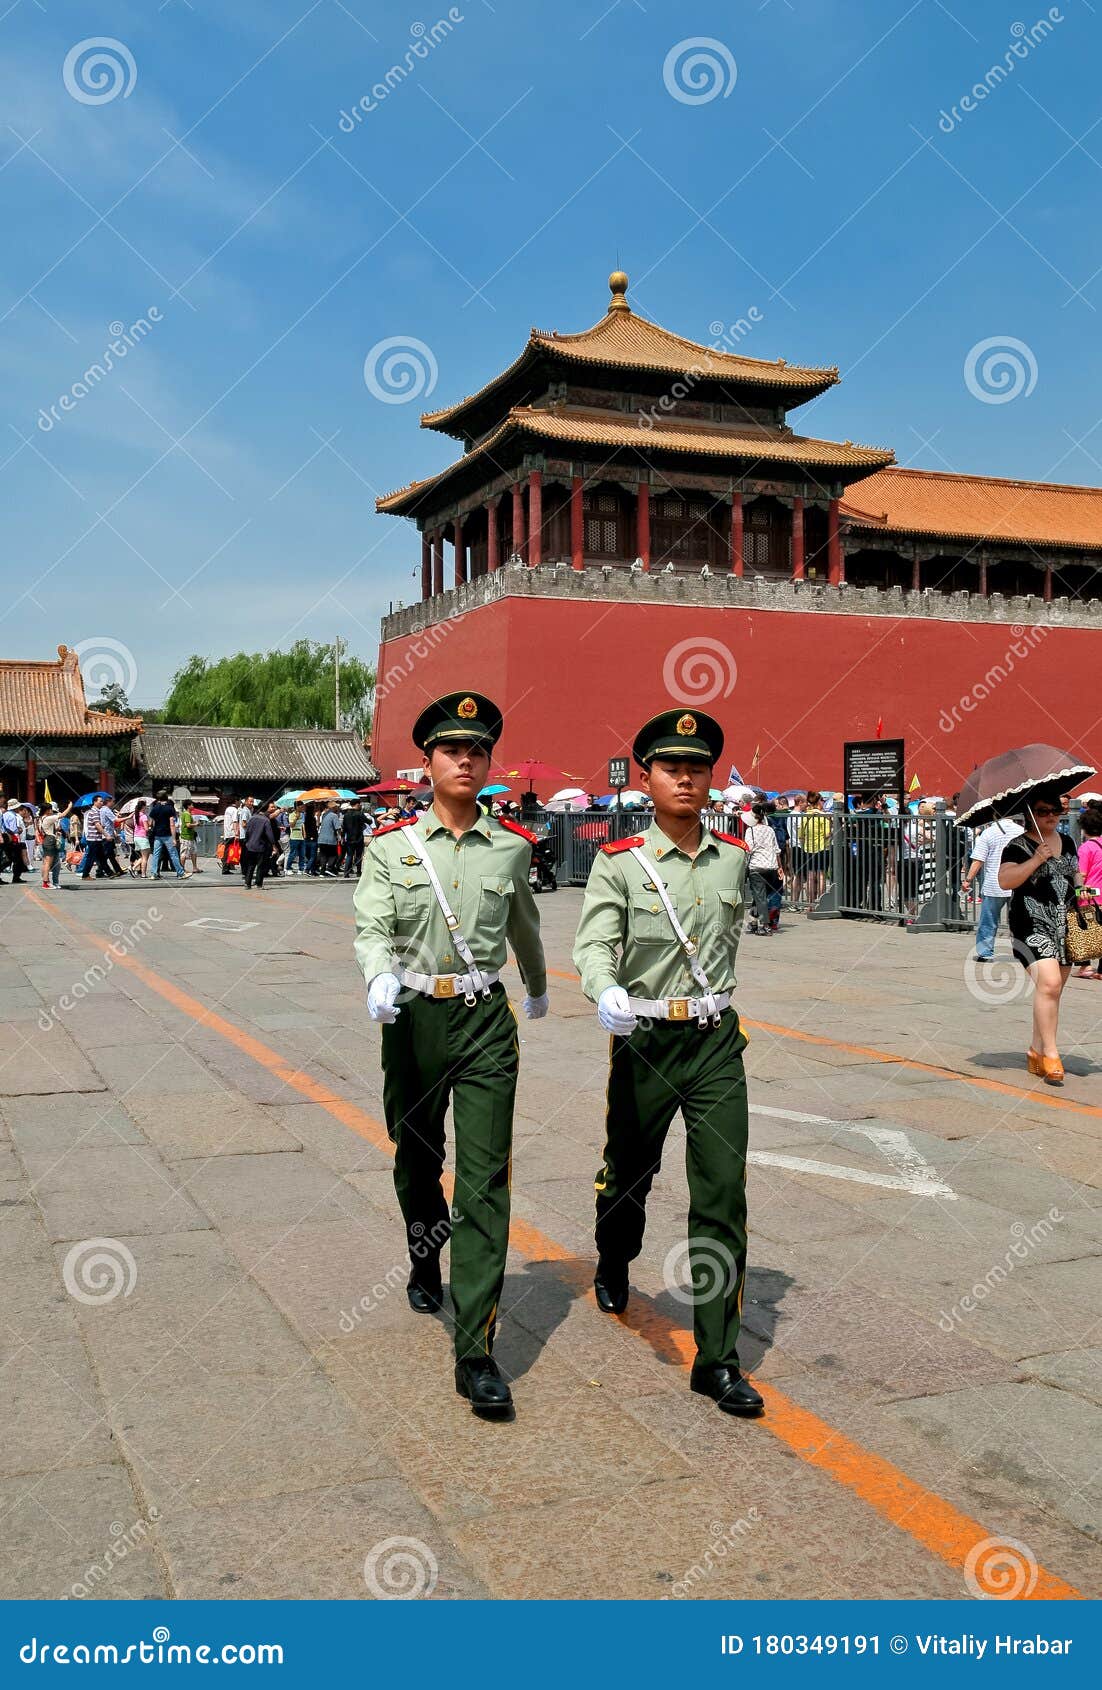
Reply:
x=220 y=924
x=914 y=1173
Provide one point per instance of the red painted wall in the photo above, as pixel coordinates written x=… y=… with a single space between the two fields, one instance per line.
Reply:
x=576 y=680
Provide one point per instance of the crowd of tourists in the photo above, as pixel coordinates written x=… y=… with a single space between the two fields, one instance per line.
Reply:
x=97 y=840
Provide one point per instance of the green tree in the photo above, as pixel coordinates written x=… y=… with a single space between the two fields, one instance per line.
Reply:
x=273 y=689
x=113 y=700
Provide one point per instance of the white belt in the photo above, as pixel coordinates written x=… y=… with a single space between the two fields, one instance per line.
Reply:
x=679 y=1009
x=449 y=985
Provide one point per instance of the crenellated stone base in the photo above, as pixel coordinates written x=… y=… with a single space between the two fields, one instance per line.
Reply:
x=617 y=585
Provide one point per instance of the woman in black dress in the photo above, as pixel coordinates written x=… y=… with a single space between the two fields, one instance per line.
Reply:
x=1040 y=869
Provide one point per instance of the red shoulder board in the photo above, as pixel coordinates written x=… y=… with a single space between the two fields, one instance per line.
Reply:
x=615 y=845
x=392 y=827
x=515 y=827
x=730 y=839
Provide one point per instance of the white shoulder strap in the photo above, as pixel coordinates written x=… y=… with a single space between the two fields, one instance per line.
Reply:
x=447 y=912
x=708 y=1002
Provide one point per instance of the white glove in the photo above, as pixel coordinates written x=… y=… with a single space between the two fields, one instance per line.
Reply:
x=536 y=1008
x=615 y=1013
x=382 y=996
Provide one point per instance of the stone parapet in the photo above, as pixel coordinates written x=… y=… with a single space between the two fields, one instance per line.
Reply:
x=724 y=591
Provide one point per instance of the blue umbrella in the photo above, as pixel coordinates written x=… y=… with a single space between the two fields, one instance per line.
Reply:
x=492 y=791
x=83 y=803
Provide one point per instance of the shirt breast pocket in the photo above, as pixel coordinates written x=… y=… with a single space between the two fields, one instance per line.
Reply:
x=494 y=893
x=412 y=897
x=649 y=923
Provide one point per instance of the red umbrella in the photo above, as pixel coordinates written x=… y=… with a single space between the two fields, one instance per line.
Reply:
x=533 y=771
x=385 y=786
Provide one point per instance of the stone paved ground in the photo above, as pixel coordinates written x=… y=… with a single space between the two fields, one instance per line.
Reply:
x=227 y=1396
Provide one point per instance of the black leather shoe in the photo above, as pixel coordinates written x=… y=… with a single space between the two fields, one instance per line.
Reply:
x=425 y=1295
x=610 y=1285
x=478 y=1379
x=727 y=1389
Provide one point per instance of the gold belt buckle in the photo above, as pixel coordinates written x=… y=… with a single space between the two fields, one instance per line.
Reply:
x=443 y=986
x=678 y=1009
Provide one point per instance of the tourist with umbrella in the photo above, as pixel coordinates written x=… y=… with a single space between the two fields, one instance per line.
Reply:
x=1040 y=869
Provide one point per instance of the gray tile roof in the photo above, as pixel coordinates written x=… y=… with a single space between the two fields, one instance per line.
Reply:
x=297 y=756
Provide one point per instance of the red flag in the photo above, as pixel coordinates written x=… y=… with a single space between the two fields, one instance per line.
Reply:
x=880 y=727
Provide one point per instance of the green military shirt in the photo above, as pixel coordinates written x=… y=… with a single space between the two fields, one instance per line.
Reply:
x=625 y=937
x=484 y=874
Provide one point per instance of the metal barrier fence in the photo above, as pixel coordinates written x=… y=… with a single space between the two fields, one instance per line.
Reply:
x=905 y=870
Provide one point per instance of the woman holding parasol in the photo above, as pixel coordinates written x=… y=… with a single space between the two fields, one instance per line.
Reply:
x=1040 y=869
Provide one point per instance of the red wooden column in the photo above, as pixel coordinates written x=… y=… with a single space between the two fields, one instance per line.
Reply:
x=983 y=576
x=518 y=519
x=32 y=779
x=426 y=564
x=916 y=573
x=1047 y=589
x=460 y=552
x=577 y=524
x=493 y=554
x=535 y=518
x=737 y=564
x=438 y=562
x=642 y=523
x=797 y=539
x=835 y=567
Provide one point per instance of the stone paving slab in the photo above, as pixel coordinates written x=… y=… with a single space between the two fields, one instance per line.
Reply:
x=228 y=1437
x=289 y=1187
x=312 y=1546
x=77 y=1535
x=50 y=1408
x=324 y=1274
x=1041 y=1441
x=45 y=1125
x=191 y=1309
x=185 y=1127
x=1078 y=1371
x=43 y=1064
x=120 y=1189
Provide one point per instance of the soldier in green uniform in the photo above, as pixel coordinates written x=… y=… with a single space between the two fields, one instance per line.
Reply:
x=655 y=949
x=439 y=896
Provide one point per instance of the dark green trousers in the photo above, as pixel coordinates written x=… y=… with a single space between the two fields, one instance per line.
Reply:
x=671 y=1066
x=441 y=1051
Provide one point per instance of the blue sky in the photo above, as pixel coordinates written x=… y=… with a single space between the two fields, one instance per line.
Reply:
x=215 y=490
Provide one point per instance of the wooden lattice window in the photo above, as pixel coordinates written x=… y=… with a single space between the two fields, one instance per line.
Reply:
x=681 y=530
x=765 y=540
x=602 y=515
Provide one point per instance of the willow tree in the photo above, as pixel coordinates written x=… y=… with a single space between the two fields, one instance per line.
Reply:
x=273 y=689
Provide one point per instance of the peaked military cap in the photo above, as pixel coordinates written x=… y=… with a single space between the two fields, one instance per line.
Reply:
x=679 y=733
x=458 y=715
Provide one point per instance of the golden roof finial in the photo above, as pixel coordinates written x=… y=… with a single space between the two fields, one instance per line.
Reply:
x=618 y=282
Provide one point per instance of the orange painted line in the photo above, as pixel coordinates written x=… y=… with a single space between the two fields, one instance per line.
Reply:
x=909 y=1506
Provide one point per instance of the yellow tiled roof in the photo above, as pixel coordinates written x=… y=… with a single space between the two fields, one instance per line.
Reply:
x=609 y=431
x=978 y=507
x=624 y=340
x=47 y=699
